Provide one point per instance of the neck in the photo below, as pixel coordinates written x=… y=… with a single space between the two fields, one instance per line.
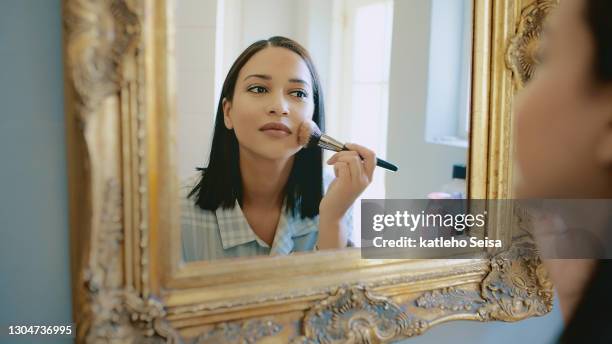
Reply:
x=264 y=180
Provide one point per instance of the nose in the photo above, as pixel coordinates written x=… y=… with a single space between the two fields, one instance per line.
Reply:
x=278 y=106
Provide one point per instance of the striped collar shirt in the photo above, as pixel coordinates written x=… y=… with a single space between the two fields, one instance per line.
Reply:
x=225 y=233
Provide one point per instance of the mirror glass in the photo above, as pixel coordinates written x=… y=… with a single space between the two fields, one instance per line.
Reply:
x=394 y=76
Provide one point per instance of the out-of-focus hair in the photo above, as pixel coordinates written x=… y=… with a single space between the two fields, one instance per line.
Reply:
x=599 y=20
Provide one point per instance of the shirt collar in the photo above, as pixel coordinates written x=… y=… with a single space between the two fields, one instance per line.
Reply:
x=235 y=230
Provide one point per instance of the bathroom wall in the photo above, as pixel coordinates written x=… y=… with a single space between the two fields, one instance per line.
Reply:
x=195 y=52
x=34 y=250
x=424 y=166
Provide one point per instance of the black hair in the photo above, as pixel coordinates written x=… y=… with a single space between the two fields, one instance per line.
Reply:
x=221 y=184
x=599 y=20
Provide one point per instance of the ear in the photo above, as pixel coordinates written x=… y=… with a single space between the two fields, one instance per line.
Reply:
x=604 y=146
x=227 y=106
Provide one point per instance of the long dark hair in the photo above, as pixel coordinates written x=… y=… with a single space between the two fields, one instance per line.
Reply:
x=221 y=183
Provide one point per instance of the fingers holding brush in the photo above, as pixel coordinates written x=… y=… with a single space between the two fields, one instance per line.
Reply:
x=360 y=163
x=341 y=170
x=349 y=161
x=364 y=155
x=368 y=156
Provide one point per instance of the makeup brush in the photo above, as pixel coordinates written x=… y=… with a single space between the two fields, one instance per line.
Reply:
x=310 y=135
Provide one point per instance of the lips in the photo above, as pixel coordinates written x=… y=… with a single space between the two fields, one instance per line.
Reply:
x=276 y=126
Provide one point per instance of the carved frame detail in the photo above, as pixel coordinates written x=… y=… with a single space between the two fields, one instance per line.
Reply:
x=123 y=291
x=523 y=50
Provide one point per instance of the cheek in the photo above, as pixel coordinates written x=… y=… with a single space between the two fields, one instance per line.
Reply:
x=245 y=122
x=303 y=111
x=550 y=137
x=537 y=148
x=531 y=117
x=310 y=111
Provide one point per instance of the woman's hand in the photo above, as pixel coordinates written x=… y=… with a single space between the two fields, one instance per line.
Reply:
x=353 y=175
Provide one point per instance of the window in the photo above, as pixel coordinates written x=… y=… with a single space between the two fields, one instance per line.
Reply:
x=450 y=52
x=362 y=107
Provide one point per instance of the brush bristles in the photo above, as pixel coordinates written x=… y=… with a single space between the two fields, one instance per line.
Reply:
x=309 y=134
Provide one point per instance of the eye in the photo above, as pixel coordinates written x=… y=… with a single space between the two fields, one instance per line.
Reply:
x=257 y=89
x=299 y=94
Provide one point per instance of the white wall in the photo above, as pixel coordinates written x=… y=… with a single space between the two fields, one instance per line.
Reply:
x=449 y=68
x=195 y=36
x=264 y=18
x=424 y=167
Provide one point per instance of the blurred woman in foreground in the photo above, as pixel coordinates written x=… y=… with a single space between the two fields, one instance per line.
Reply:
x=564 y=148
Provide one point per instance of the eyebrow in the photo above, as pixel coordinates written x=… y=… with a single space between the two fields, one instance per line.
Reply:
x=267 y=77
x=261 y=76
x=300 y=81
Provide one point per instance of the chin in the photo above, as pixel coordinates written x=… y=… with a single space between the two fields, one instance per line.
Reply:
x=521 y=191
x=268 y=151
x=275 y=153
x=282 y=155
x=526 y=188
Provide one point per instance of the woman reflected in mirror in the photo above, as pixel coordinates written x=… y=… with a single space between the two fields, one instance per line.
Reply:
x=262 y=193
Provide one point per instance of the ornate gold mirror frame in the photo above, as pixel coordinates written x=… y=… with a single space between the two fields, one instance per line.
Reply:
x=128 y=282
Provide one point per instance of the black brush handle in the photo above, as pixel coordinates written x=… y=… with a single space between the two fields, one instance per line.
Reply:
x=380 y=162
x=385 y=164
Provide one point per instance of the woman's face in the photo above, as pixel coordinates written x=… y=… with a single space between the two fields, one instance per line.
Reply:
x=273 y=96
x=564 y=118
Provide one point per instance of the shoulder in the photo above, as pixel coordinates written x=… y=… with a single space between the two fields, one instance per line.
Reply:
x=187 y=184
x=191 y=181
x=589 y=321
x=197 y=225
x=189 y=208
